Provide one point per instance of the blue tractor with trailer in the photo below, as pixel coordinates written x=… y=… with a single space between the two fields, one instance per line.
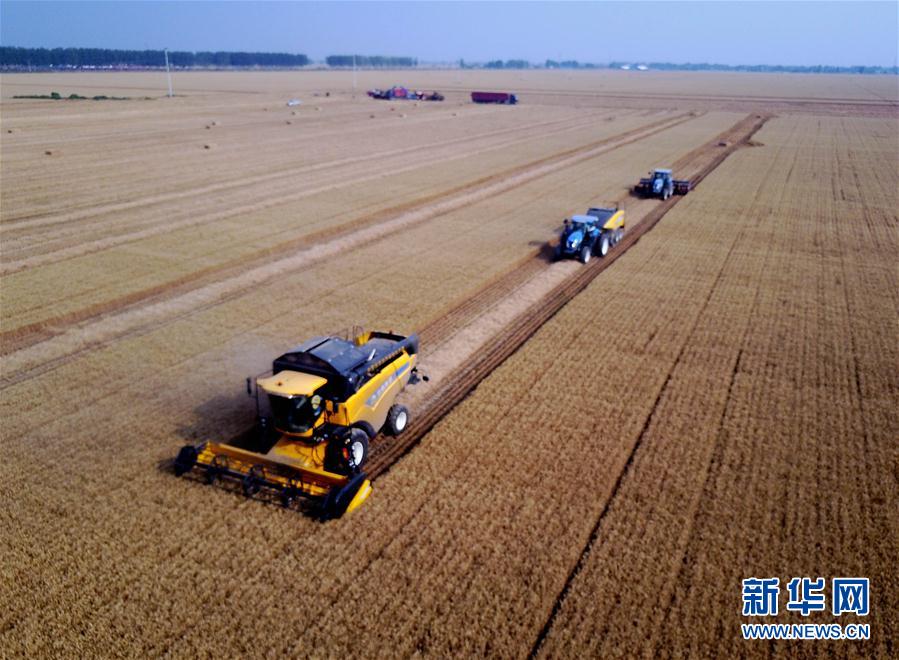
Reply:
x=594 y=232
x=661 y=183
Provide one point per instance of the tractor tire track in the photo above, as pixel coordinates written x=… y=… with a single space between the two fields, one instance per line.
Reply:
x=40 y=349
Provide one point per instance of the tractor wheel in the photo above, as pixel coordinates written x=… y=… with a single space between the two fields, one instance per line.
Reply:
x=665 y=195
x=585 y=254
x=619 y=234
x=557 y=253
x=397 y=419
x=604 y=245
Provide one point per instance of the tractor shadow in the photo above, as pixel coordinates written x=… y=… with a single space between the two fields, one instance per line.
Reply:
x=547 y=249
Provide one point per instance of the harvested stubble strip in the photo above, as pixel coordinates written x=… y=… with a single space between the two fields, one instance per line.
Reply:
x=780 y=466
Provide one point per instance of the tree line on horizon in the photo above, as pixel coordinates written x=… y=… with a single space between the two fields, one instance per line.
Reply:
x=378 y=61
x=15 y=57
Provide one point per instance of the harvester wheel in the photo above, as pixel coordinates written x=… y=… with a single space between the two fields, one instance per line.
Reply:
x=604 y=244
x=397 y=419
x=252 y=482
x=347 y=452
x=185 y=460
x=356 y=451
x=585 y=254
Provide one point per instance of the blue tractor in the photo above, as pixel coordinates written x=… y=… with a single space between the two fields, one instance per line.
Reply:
x=660 y=183
x=595 y=232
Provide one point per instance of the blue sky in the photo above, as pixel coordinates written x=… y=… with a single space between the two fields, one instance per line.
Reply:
x=801 y=33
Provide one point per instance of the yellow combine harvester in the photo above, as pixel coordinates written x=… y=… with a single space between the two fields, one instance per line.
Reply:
x=327 y=397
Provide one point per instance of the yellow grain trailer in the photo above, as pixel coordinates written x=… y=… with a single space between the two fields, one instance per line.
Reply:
x=327 y=398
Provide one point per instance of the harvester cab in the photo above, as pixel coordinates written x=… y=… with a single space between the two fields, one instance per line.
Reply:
x=327 y=398
x=594 y=232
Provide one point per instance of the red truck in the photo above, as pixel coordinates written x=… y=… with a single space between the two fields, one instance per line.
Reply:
x=494 y=97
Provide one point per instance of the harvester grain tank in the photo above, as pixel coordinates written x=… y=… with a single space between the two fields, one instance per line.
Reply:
x=328 y=398
x=494 y=97
x=594 y=232
x=660 y=183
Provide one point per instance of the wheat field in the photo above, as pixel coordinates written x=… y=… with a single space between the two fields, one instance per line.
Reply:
x=718 y=402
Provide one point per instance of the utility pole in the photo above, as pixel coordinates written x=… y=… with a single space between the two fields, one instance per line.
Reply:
x=354 y=76
x=168 y=72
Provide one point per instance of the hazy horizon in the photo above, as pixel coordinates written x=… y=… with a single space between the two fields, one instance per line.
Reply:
x=732 y=33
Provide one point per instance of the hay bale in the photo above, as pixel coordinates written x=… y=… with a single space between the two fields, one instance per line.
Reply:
x=288 y=122
x=318 y=108
x=207 y=146
x=48 y=153
x=9 y=130
x=402 y=115
x=371 y=116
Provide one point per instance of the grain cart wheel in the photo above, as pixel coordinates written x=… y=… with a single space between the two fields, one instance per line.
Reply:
x=585 y=254
x=252 y=483
x=397 y=419
x=185 y=460
x=604 y=244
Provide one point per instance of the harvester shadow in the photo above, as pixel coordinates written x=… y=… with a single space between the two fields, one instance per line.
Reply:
x=231 y=420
